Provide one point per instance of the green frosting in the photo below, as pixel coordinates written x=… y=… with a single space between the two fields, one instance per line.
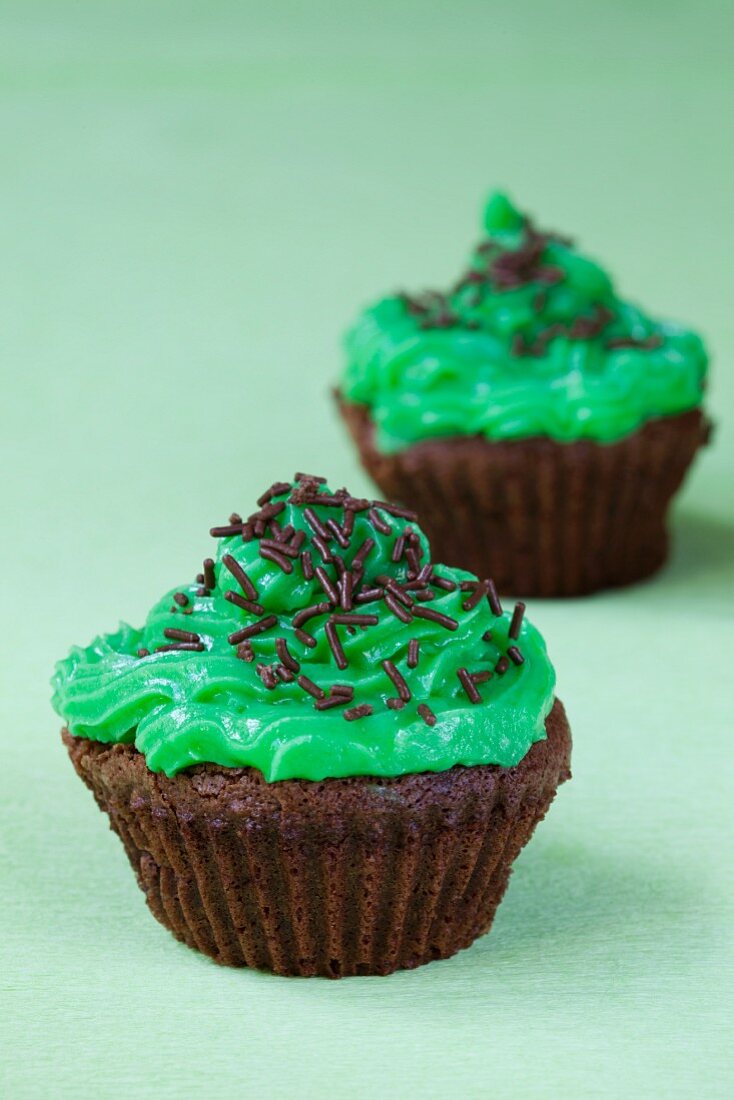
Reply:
x=532 y=340
x=217 y=672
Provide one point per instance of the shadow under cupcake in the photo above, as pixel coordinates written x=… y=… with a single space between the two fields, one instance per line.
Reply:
x=538 y=423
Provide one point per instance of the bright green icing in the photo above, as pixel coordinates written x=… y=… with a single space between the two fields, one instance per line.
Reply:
x=473 y=361
x=183 y=707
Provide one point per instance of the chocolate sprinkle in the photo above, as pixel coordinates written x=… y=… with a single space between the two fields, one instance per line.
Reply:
x=180 y=635
x=335 y=645
x=436 y=617
x=397 y=678
x=468 y=685
x=362 y=711
x=240 y=576
x=307 y=639
x=515 y=655
x=246 y=605
x=413 y=652
x=181 y=599
x=209 y=578
x=427 y=714
x=517 y=614
x=493 y=598
x=281 y=648
x=311 y=687
x=255 y=628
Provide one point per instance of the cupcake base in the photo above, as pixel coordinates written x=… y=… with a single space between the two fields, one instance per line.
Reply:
x=352 y=876
x=541 y=518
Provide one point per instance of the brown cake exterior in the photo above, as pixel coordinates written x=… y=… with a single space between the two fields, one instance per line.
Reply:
x=542 y=518
x=351 y=876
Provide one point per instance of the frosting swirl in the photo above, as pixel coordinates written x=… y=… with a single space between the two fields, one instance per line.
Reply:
x=320 y=641
x=532 y=340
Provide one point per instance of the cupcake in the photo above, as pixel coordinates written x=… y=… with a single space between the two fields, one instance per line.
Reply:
x=538 y=423
x=323 y=755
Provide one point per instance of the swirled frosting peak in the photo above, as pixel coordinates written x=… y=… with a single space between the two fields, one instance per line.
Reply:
x=531 y=340
x=319 y=641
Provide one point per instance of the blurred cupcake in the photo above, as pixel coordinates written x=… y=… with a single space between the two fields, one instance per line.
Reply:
x=323 y=755
x=538 y=423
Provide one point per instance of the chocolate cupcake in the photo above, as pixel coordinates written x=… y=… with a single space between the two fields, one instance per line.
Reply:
x=323 y=755
x=538 y=423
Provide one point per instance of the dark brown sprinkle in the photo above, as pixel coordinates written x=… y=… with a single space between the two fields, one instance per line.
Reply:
x=362 y=711
x=245 y=652
x=425 y=596
x=357 y=504
x=395 y=589
x=181 y=598
x=413 y=652
x=325 y=581
x=443 y=582
x=412 y=558
x=482 y=676
x=343 y=689
x=369 y=595
x=332 y=700
x=246 y=605
x=338 y=533
x=480 y=590
x=286 y=532
x=340 y=565
x=346 y=584
x=427 y=714
x=398 y=610
x=275 y=490
x=322 y=548
x=199 y=578
x=515 y=655
x=487 y=636
x=502 y=666
x=468 y=685
x=397 y=678
x=307 y=565
x=517 y=614
x=248 y=532
x=351 y=619
x=398 y=548
x=202 y=591
x=284 y=674
x=305 y=638
x=192 y=647
x=379 y=523
x=279 y=546
x=493 y=598
x=648 y=343
x=143 y=652
x=226 y=530
x=240 y=576
x=268 y=676
x=286 y=658
x=270 y=511
x=348 y=522
x=235 y=517
x=254 y=628
x=435 y=617
x=395 y=704
x=298 y=476
x=180 y=635
x=312 y=688
x=362 y=552
x=307 y=613
x=335 y=645
x=298 y=540
x=209 y=578
x=396 y=510
x=275 y=556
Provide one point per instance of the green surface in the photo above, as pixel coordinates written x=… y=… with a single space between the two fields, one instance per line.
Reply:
x=195 y=199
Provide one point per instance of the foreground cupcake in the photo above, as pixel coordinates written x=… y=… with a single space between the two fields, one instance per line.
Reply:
x=324 y=754
x=539 y=423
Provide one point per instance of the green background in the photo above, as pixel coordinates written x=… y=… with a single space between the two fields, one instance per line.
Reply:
x=194 y=200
